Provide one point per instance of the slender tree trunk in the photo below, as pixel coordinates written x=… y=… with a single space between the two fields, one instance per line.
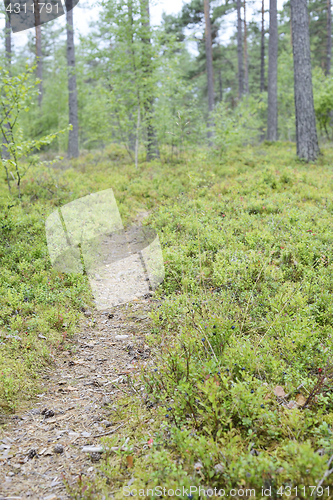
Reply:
x=133 y=132
x=240 y=50
x=306 y=132
x=291 y=30
x=137 y=140
x=329 y=37
x=272 y=121
x=8 y=48
x=39 y=63
x=8 y=37
x=152 y=147
x=209 y=63
x=209 y=57
x=73 y=138
x=220 y=85
x=262 y=58
x=246 y=61
x=39 y=55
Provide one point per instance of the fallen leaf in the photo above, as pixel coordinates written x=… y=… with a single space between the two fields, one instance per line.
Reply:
x=300 y=400
x=291 y=405
x=279 y=392
x=129 y=459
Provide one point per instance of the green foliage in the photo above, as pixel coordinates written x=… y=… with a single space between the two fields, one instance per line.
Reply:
x=39 y=307
x=323 y=100
x=245 y=307
x=16 y=93
x=239 y=126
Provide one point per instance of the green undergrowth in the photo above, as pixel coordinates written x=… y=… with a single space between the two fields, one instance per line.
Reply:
x=246 y=310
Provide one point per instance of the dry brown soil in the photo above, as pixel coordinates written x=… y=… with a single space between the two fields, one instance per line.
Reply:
x=43 y=445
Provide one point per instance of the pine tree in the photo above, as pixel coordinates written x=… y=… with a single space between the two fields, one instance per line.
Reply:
x=73 y=138
x=209 y=58
x=39 y=55
x=240 y=50
x=262 y=52
x=329 y=37
x=152 y=147
x=8 y=41
x=272 y=121
x=246 y=58
x=306 y=132
x=8 y=48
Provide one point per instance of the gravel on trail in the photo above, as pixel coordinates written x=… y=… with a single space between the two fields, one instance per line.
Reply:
x=59 y=438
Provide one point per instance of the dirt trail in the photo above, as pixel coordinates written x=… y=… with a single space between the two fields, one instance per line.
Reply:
x=41 y=446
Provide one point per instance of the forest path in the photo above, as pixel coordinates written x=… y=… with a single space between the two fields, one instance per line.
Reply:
x=41 y=448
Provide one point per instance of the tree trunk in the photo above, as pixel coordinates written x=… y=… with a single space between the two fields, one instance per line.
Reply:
x=39 y=56
x=272 y=121
x=262 y=58
x=152 y=147
x=240 y=50
x=209 y=63
x=8 y=47
x=209 y=58
x=291 y=30
x=306 y=132
x=329 y=37
x=220 y=85
x=246 y=61
x=8 y=37
x=73 y=137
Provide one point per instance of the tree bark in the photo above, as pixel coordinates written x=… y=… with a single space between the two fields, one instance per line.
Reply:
x=209 y=57
x=329 y=37
x=152 y=147
x=262 y=55
x=8 y=37
x=246 y=61
x=240 y=50
x=272 y=119
x=220 y=85
x=73 y=137
x=306 y=132
x=8 y=48
x=39 y=55
x=209 y=63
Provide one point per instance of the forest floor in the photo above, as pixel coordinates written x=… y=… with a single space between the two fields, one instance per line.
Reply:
x=226 y=377
x=43 y=448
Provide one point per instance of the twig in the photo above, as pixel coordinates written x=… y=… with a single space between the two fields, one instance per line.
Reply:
x=97 y=435
x=109 y=432
x=327 y=473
